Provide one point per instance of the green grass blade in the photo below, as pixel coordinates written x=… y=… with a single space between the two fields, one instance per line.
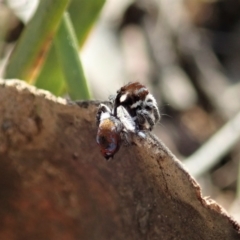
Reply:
x=29 y=52
x=83 y=14
x=51 y=77
x=67 y=52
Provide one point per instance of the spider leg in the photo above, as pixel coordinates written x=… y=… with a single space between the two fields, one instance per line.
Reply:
x=151 y=105
x=127 y=121
x=143 y=116
x=112 y=98
x=101 y=110
x=153 y=109
x=156 y=114
x=126 y=138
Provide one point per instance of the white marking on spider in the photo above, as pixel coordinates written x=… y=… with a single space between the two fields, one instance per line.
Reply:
x=138 y=103
x=105 y=115
x=150 y=97
x=123 y=97
x=141 y=134
x=126 y=119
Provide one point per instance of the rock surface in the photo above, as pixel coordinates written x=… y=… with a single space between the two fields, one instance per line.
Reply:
x=54 y=183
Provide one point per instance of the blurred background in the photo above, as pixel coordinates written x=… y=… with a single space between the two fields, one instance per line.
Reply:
x=187 y=53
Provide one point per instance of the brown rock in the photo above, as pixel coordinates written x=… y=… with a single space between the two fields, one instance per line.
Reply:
x=54 y=183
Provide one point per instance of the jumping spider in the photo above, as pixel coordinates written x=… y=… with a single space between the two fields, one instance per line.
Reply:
x=134 y=110
x=140 y=104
